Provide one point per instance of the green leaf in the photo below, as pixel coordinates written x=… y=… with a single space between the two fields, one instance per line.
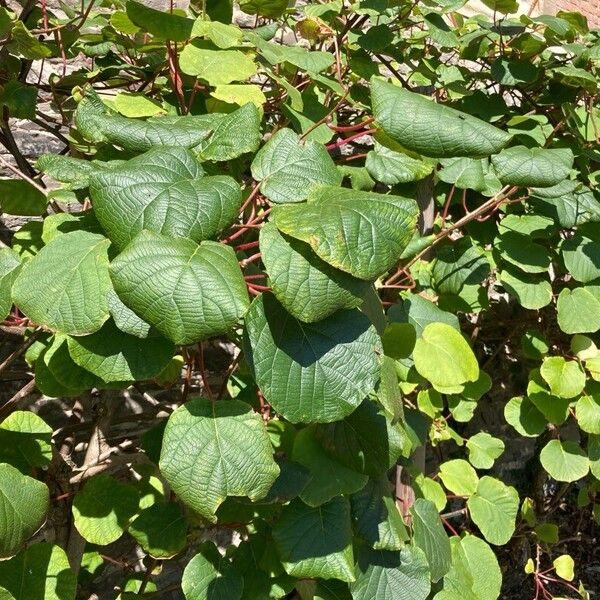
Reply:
x=514 y=72
x=361 y=233
x=493 y=508
x=420 y=312
x=103 y=509
x=521 y=251
x=429 y=536
x=25 y=44
x=234 y=134
x=459 y=477
x=115 y=356
x=220 y=34
x=531 y=291
x=235 y=457
x=97 y=123
x=564 y=461
x=533 y=167
x=579 y=310
x=587 y=411
x=288 y=168
x=73 y=171
x=432 y=129
x=160 y=530
x=240 y=94
x=64 y=369
x=444 y=358
x=311 y=372
x=484 y=449
x=307 y=287
x=475 y=573
x=316 y=542
x=565 y=567
x=400 y=575
x=41 y=572
x=458 y=265
x=19 y=197
x=566 y=378
x=399 y=340
x=584 y=347
x=23 y=505
x=208 y=576
x=216 y=67
x=376 y=517
x=582 y=258
x=365 y=441
x=65 y=285
x=523 y=415
x=19 y=99
x=311 y=61
x=391 y=167
x=164 y=191
x=469 y=173
x=328 y=477
x=265 y=8
x=189 y=292
x=25 y=441
x=125 y=319
x=10 y=263
x=554 y=408
x=503 y=6
x=159 y=23
x=131 y=104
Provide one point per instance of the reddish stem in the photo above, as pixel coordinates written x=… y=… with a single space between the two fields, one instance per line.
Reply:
x=347 y=128
x=349 y=139
x=246 y=246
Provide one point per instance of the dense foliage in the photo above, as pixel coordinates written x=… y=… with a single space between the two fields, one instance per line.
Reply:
x=386 y=212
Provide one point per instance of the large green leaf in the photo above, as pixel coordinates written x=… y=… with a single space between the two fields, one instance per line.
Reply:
x=582 y=258
x=361 y=233
x=316 y=542
x=160 y=529
x=75 y=172
x=97 y=123
x=328 y=477
x=524 y=416
x=484 y=449
x=429 y=536
x=115 y=356
x=311 y=372
x=376 y=517
x=475 y=573
x=24 y=503
x=216 y=67
x=533 y=167
x=41 y=572
x=587 y=410
x=400 y=575
x=189 y=292
x=65 y=286
x=564 y=461
x=288 y=168
x=159 y=23
x=493 y=508
x=531 y=291
x=445 y=359
x=565 y=378
x=25 y=441
x=420 y=312
x=214 y=450
x=163 y=191
x=579 y=309
x=10 y=263
x=103 y=509
x=432 y=129
x=309 y=288
x=365 y=441
x=459 y=477
x=208 y=576
x=522 y=252
x=265 y=8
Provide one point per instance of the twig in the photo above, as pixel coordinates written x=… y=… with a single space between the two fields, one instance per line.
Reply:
x=19 y=351
x=10 y=405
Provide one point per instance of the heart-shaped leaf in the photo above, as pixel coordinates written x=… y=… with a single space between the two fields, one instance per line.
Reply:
x=287 y=168
x=212 y=450
x=163 y=191
x=311 y=372
x=65 y=286
x=188 y=292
